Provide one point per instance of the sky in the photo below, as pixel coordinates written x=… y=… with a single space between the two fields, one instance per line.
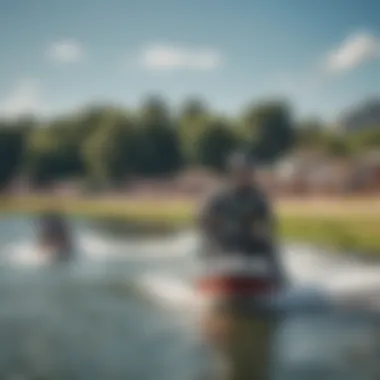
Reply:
x=58 y=55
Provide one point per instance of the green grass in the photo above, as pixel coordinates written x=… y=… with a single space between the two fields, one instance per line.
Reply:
x=170 y=212
x=352 y=234
x=345 y=225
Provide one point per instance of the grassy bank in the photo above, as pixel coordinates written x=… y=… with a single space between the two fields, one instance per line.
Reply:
x=346 y=224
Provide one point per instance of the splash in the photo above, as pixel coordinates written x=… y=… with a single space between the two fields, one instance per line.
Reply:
x=315 y=276
x=171 y=261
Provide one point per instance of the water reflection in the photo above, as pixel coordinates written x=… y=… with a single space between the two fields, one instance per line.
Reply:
x=244 y=344
x=328 y=345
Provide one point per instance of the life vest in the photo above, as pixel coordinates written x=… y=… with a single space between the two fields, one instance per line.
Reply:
x=236 y=276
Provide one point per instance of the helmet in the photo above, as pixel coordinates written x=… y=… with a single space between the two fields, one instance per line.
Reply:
x=239 y=161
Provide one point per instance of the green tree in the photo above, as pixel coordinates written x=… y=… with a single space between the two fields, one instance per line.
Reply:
x=364 y=140
x=215 y=143
x=158 y=142
x=154 y=110
x=110 y=152
x=310 y=134
x=44 y=156
x=337 y=146
x=13 y=138
x=193 y=120
x=271 y=130
x=53 y=151
x=194 y=108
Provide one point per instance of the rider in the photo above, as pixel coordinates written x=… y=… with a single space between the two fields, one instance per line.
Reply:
x=239 y=217
x=55 y=235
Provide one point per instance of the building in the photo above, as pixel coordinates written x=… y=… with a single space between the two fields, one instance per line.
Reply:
x=315 y=173
x=365 y=116
x=300 y=172
x=366 y=177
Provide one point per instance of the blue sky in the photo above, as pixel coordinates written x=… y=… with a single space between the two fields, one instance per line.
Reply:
x=57 y=55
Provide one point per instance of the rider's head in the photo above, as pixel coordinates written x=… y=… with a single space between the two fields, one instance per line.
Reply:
x=240 y=169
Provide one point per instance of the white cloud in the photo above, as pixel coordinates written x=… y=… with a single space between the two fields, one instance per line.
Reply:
x=356 y=50
x=163 y=57
x=66 y=51
x=24 y=98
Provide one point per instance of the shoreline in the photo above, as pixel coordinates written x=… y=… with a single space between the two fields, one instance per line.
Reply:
x=348 y=224
x=331 y=207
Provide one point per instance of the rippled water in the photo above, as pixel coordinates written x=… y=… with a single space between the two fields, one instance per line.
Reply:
x=123 y=310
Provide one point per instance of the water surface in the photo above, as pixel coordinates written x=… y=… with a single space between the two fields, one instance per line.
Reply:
x=123 y=310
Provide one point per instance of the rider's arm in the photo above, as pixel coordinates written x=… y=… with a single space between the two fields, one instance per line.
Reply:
x=208 y=223
x=208 y=214
x=264 y=221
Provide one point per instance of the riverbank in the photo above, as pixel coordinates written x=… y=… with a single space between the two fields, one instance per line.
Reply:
x=345 y=224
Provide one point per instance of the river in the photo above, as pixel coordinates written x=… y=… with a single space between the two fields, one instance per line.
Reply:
x=122 y=310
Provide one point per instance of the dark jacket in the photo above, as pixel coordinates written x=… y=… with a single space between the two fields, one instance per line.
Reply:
x=228 y=217
x=55 y=233
x=227 y=223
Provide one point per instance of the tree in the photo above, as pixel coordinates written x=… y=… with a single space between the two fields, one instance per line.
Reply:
x=271 y=130
x=310 y=134
x=193 y=121
x=154 y=110
x=109 y=145
x=12 y=145
x=338 y=147
x=53 y=151
x=44 y=156
x=193 y=108
x=364 y=140
x=158 y=142
x=215 y=143
x=110 y=152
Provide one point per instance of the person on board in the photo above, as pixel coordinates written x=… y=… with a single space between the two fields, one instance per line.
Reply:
x=238 y=217
x=55 y=237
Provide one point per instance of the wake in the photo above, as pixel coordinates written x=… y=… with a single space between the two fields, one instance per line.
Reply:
x=171 y=264
x=317 y=278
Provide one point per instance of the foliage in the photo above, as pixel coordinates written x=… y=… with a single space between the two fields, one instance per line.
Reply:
x=12 y=147
x=315 y=135
x=109 y=153
x=109 y=145
x=193 y=121
x=271 y=130
x=215 y=143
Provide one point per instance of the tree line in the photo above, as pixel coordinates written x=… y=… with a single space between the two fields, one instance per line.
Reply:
x=107 y=145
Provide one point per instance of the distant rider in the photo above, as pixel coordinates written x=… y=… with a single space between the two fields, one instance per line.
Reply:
x=55 y=236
